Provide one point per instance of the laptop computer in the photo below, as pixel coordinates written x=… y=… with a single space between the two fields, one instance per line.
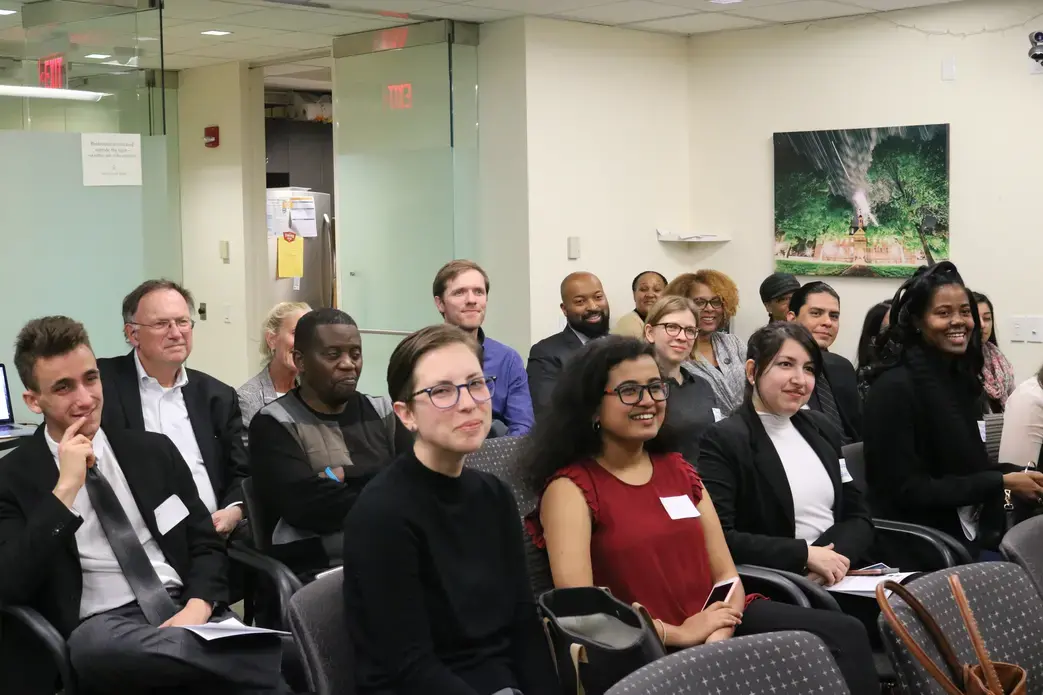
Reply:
x=8 y=427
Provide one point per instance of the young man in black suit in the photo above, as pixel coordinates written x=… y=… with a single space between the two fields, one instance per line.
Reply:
x=104 y=534
x=816 y=306
x=151 y=389
x=585 y=306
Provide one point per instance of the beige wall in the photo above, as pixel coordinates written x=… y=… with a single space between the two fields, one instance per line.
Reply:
x=608 y=158
x=221 y=199
x=878 y=71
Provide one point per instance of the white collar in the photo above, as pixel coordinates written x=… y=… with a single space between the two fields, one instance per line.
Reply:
x=144 y=378
x=100 y=443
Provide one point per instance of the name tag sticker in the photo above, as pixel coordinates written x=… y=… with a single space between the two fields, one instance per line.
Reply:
x=981 y=429
x=680 y=507
x=805 y=407
x=717 y=414
x=845 y=477
x=169 y=514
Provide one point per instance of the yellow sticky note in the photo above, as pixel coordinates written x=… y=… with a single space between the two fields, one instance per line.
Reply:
x=290 y=262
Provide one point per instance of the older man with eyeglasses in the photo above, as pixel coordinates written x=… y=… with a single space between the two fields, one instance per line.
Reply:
x=151 y=389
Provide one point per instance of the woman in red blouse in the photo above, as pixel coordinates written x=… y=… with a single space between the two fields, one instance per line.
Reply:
x=620 y=510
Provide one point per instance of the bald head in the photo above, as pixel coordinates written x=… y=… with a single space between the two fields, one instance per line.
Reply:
x=584 y=304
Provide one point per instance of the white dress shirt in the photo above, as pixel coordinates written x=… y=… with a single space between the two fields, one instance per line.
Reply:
x=164 y=412
x=104 y=586
x=809 y=482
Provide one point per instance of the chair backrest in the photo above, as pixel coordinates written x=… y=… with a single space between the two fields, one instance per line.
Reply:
x=767 y=664
x=502 y=457
x=1023 y=545
x=321 y=633
x=855 y=458
x=993 y=435
x=260 y=530
x=1008 y=611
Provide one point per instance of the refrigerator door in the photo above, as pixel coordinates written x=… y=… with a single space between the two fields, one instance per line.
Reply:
x=316 y=285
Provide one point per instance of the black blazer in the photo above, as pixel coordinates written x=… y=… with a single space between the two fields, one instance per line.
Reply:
x=546 y=358
x=749 y=488
x=844 y=383
x=38 y=553
x=213 y=409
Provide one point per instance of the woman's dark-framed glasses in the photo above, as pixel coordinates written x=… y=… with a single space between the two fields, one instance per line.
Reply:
x=446 y=396
x=715 y=302
x=631 y=394
x=674 y=329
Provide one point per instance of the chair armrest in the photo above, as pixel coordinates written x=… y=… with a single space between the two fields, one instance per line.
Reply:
x=948 y=551
x=760 y=580
x=51 y=639
x=285 y=581
x=817 y=596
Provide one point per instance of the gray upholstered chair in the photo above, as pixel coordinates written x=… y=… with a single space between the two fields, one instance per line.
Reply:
x=776 y=663
x=316 y=615
x=1008 y=611
x=501 y=457
x=1023 y=545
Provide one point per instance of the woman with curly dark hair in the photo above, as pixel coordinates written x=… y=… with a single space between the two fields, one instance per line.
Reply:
x=926 y=462
x=619 y=510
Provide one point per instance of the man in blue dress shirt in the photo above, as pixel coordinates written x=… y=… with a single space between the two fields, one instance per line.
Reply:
x=461 y=291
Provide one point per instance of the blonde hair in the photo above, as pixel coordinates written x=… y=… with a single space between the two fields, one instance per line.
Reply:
x=273 y=322
x=719 y=283
x=670 y=304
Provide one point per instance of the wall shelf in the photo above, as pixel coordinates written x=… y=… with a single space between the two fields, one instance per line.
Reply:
x=691 y=238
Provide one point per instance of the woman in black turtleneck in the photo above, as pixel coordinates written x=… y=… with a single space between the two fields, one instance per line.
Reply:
x=437 y=596
x=925 y=459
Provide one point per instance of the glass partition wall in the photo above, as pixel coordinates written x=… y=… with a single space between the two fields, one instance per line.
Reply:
x=68 y=68
x=405 y=138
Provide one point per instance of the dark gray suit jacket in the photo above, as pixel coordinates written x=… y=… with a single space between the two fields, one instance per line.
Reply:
x=546 y=358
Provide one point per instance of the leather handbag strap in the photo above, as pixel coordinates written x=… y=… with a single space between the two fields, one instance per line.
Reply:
x=579 y=655
x=649 y=622
x=992 y=680
x=935 y=633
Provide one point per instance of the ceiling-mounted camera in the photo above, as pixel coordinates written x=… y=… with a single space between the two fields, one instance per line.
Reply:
x=1036 y=52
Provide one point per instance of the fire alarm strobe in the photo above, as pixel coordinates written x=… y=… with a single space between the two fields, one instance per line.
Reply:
x=212 y=136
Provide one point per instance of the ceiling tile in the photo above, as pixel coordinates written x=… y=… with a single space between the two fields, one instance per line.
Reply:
x=698 y=23
x=624 y=12
x=201 y=9
x=285 y=20
x=181 y=61
x=472 y=13
x=196 y=29
x=707 y=6
x=338 y=25
x=536 y=6
x=800 y=11
x=299 y=40
x=888 y=5
x=394 y=6
x=245 y=50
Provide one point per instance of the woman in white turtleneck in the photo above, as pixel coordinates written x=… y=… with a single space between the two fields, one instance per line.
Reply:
x=774 y=472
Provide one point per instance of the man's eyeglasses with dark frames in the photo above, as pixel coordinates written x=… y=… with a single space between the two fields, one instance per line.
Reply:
x=446 y=396
x=182 y=324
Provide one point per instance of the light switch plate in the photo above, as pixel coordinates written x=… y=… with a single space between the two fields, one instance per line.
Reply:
x=1018 y=330
x=1034 y=325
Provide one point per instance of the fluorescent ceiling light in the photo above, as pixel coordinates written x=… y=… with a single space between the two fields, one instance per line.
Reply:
x=4 y=13
x=98 y=56
x=215 y=32
x=14 y=90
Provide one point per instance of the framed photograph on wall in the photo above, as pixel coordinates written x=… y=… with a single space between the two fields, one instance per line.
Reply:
x=864 y=202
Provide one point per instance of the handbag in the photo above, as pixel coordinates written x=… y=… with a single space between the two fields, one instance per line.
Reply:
x=987 y=677
x=596 y=639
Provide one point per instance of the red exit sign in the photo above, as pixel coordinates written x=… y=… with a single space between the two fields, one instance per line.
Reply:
x=399 y=96
x=51 y=70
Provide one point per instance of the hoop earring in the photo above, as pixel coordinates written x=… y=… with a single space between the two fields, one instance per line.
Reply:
x=597 y=427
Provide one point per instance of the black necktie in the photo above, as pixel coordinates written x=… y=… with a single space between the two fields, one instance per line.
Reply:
x=829 y=405
x=152 y=597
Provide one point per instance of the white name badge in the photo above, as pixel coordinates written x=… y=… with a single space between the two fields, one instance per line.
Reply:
x=717 y=414
x=680 y=507
x=169 y=514
x=805 y=407
x=845 y=477
x=981 y=429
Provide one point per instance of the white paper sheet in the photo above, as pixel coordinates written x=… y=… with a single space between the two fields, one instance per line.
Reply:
x=229 y=628
x=865 y=586
x=111 y=159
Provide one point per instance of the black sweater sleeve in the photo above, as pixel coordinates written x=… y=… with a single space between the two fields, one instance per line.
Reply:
x=894 y=467
x=291 y=489
x=530 y=652
x=381 y=552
